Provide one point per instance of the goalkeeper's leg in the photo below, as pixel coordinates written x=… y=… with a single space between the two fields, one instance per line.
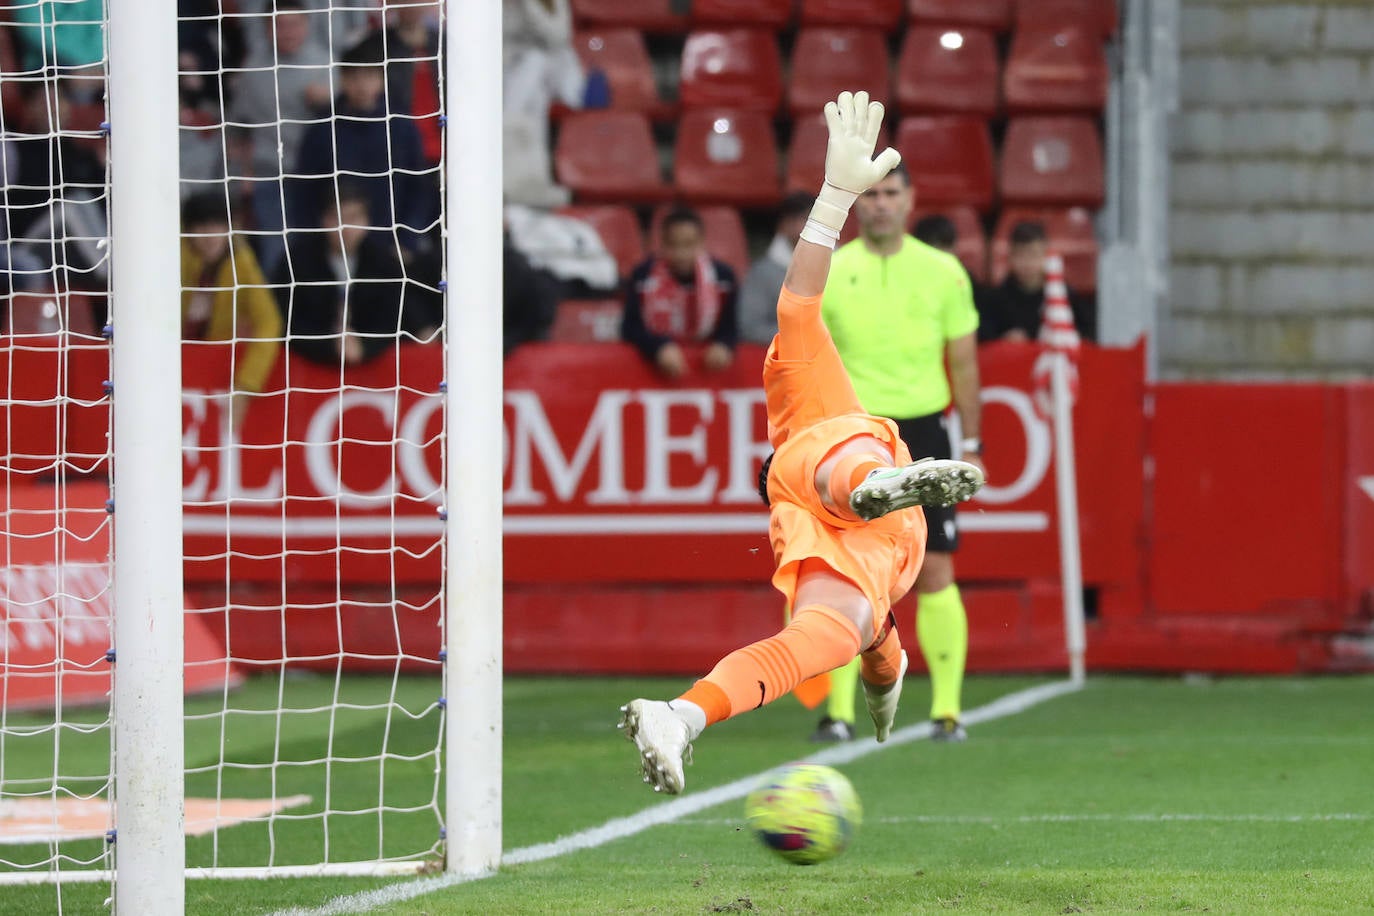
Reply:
x=833 y=621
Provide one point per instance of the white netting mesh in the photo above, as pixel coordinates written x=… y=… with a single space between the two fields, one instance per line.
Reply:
x=312 y=412
x=55 y=596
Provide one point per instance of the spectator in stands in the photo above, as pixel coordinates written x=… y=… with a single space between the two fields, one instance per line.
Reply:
x=681 y=295
x=334 y=24
x=937 y=231
x=201 y=137
x=540 y=67
x=215 y=40
x=224 y=296
x=65 y=35
x=1013 y=310
x=285 y=83
x=54 y=198
x=413 y=42
x=378 y=150
x=758 y=298
x=348 y=295
x=530 y=298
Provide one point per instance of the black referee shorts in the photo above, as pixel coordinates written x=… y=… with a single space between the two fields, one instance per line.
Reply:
x=928 y=437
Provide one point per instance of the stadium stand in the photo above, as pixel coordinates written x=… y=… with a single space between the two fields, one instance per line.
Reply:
x=1040 y=14
x=827 y=60
x=941 y=69
x=735 y=68
x=1071 y=234
x=587 y=321
x=623 y=57
x=986 y=14
x=774 y=14
x=724 y=231
x=619 y=230
x=726 y=156
x=882 y=14
x=649 y=15
x=48 y=312
x=950 y=159
x=609 y=156
x=1052 y=161
x=1061 y=69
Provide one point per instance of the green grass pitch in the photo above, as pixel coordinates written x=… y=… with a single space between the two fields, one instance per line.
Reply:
x=1220 y=796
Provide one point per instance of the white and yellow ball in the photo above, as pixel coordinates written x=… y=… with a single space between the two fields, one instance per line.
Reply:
x=804 y=812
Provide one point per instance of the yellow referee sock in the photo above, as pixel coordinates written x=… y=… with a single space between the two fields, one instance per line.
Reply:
x=942 y=630
x=844 y=686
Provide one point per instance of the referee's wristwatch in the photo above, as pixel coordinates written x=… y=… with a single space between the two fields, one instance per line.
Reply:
x=971 y=446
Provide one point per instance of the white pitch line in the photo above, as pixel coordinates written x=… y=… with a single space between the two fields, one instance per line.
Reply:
x=621 y=827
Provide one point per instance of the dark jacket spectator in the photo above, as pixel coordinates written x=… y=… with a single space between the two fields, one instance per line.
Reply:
x=1014 y=309
x=378 y=149
x=348 y=296
x=530 y=299
x=682 y=295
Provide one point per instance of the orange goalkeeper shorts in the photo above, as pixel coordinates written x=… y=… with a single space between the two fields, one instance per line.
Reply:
x=881 y=557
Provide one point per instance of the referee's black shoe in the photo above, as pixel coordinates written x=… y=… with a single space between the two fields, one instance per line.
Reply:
x=833 y=731
x=947 y=730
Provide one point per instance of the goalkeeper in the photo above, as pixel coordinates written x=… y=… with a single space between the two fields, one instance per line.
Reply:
x=846 y=536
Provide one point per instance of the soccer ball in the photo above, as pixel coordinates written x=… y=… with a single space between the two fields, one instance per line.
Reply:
x=804 y=812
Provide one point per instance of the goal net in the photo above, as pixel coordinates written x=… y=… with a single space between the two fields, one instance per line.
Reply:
x=313 y=458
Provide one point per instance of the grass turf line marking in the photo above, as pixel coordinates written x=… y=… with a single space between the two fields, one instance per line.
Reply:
x=681 y=807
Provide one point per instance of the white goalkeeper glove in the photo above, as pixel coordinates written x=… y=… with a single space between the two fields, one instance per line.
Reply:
x=850 y=168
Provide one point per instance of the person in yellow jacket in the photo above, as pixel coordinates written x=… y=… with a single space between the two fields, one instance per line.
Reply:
x=224 y=296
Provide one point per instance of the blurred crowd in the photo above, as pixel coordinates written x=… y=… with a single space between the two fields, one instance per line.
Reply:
x=310 y=148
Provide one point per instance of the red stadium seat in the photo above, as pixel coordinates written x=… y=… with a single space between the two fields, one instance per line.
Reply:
x=609 y=155
x=736 y=68
x=587 y=321
x=725 y=237
x=882 y=14
x=1052 y=162
x=771 y=13
x=806 y=154
x=1094 y=15
x=948 y=69
x=621 y=55
x=649 y=15
x=724 y=156
x=1071 y=234
x=984 y=14
x=971 y=242
x=826 y=61
x=950 y=160
x=619 y=231
x=1061 y=69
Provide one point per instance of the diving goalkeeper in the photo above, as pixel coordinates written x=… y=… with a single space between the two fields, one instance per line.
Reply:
x=847 y=534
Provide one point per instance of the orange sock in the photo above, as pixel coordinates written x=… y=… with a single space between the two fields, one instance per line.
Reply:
x=880 y=664
x=849 y=472
x=818 y=639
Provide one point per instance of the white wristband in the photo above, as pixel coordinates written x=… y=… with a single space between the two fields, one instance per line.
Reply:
x=818 y=233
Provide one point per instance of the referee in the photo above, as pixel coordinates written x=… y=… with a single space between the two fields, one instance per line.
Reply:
x=903 y=319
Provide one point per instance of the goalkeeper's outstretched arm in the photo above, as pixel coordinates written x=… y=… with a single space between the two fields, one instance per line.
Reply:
x=850 y=169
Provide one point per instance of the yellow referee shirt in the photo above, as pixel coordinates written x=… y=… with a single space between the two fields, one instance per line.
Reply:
x=891 y=317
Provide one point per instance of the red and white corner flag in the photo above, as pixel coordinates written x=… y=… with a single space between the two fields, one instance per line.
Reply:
x=1058 y=334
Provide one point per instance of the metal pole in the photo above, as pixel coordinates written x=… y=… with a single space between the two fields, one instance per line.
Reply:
x=150 y=851
x=1066 y=493
x=473 y=424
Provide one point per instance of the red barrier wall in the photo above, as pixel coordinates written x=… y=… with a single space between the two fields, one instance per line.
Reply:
x=1250 y=546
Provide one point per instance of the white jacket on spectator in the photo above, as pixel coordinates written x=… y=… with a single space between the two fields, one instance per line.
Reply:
x=540 y=67
x=568 y=248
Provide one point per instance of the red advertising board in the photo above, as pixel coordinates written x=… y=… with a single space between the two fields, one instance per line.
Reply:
x=610 y=474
